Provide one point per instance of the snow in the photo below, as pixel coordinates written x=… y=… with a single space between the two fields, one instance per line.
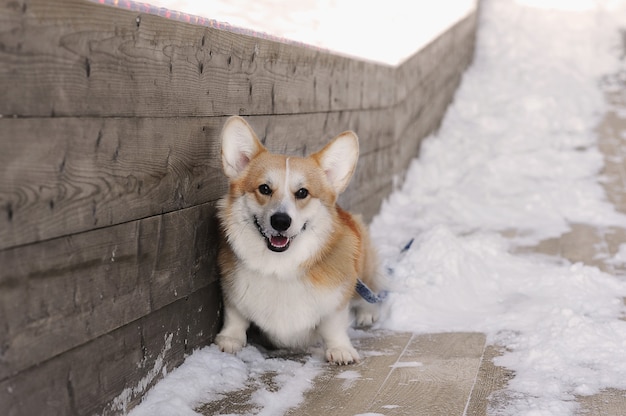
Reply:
x=350 y=27
x=120 y=403
x=619 y=258
x=516 y=151
x=514 y=162
x=208 y=375
x=404 y=364
x=350 y=377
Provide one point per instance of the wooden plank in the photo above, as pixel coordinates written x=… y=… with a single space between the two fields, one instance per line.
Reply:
x=402 y=374
x=74 y=174
x=384 y=167
x=417 y=116
x=434 y=376
x=369 y=208
x=73 y=57
x=350 y=390
x=61 y=293
x=609 y=402
x=97 y=248
x=491 y=380
x=64 y=176
x=110 y=373
x=438 y=86
x=68 y=175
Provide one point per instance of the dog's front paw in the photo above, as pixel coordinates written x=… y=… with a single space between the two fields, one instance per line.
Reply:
x=342 y=355
x=229 y=344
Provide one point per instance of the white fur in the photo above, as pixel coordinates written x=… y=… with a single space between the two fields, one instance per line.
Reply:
x=365 y=313
x=267 y=301
x=239 y=145
x=251 y=248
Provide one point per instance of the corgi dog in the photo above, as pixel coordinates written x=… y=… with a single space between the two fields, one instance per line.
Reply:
x=291 y=257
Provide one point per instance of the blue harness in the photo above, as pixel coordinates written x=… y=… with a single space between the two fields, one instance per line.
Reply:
x=368 y=294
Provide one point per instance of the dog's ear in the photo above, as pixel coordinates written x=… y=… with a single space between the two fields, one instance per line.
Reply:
x=338 y=159
x=239 y=146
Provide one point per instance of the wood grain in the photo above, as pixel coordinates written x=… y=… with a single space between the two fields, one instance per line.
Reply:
x=62 y=176
x=61 y=293
x=69 y=175
x=73 y=57
x=436 y=378
x=337 y=393
x=402 y=374
x=110 y=373
x=491 y=381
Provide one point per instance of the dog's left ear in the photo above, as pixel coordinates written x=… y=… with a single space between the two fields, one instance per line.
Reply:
x=338 y=159
x=239 y=146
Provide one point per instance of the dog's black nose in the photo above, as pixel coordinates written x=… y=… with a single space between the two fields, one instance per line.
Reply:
x=280 y=221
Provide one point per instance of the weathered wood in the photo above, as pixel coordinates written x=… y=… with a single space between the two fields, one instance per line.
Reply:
x=382 y=168
x=69 y=175
x=490 y=383
x=436 y=87
x=350 y=390
x=406 y=374
x=110 y=373
x=440 y=383
x=95 y=172
x=73 y=57
x=61 y=293
x=63 y=176
x=609 y=402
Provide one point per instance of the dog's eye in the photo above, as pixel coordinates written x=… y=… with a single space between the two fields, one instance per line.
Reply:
x=265 y=189
x=301 y=193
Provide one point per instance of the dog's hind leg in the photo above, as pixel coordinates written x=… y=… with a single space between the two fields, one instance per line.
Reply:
x=232 y=337
x=365 y=313
x=334 y=331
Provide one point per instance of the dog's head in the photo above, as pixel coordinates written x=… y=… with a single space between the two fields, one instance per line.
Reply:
x=278 y=202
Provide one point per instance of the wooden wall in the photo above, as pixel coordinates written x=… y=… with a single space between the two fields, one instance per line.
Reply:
x=109 y=173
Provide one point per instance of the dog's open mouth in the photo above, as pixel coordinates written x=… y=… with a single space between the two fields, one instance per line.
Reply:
x=277 y=243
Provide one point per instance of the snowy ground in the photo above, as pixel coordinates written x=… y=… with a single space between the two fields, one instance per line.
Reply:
x=517 y=150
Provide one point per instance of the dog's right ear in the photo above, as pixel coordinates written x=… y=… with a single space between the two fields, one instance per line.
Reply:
x=239 y=146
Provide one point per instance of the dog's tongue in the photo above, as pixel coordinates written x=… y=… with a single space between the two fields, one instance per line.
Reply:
x=279 y=241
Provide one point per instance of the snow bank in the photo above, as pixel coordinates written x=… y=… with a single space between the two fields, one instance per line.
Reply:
x=517 y=151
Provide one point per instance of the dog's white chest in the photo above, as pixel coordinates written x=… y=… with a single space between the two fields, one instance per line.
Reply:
x=288 y=310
